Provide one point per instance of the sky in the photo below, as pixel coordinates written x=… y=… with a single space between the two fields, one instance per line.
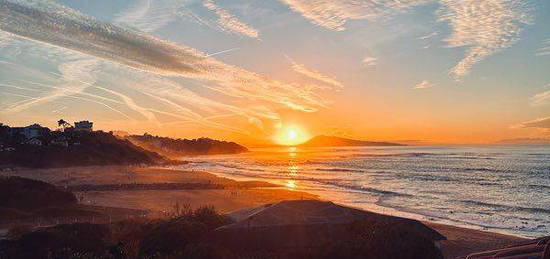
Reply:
x=425 y=71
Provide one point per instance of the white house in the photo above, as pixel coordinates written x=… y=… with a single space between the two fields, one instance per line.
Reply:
x=32 y=131
x=34 y=142
x=84 y=126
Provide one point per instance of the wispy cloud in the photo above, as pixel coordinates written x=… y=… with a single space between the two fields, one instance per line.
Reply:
x=5 y=38
x=544 y=49
x=424 y=84
x=149 y=15
x=76 y=74
x=484 y=27
x=72 y=30
x=541 y=123
x=333 y=14
x=370 y=61
x=229 y=22
x=314 y=74
x=30 y=100
x=540 y=98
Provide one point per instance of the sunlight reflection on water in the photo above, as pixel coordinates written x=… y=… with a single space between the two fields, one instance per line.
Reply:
x=498 y=188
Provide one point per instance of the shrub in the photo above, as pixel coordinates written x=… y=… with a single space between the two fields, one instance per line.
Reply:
x=171 y=237
x=82 y=238
x=186 y=231
x=26 y=194
x=381 y=240
x=206 y=215
x=128 y=235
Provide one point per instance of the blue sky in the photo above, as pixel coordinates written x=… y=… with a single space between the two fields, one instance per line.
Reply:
x=437 y=70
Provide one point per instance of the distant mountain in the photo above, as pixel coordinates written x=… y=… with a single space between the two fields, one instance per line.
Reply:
x=178 y=147
x=330 y=141
x=525 y=141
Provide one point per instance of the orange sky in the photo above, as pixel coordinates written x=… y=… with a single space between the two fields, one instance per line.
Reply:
x=400 y=70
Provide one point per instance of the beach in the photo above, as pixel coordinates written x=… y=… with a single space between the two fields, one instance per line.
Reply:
x=493 y=188
x=162 y=189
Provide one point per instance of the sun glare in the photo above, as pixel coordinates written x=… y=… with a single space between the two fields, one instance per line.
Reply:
x=291 y=135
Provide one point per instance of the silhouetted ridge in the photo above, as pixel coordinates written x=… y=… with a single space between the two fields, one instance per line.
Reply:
x=71 y=148
x=330 y=141
x=200 y=146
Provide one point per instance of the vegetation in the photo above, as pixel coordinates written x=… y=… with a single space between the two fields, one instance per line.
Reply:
x=80 y=240
x=200 y=146
x=83 y=149
x=28 y=195
x=188 y=234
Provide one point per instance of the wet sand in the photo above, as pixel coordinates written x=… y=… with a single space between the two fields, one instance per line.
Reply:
x=224 y=194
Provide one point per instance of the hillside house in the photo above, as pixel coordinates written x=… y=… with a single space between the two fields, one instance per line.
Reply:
x=34 y=142
x=29 y=132
x=84 y=126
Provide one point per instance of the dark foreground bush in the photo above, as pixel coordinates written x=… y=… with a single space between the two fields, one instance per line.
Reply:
x=26 y=194
x=187 y=236
x=81 y=238
x=386 y=241
x=181 y=235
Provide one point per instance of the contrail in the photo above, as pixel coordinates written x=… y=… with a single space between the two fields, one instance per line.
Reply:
x=53 y=24
x=221 y=52
x=40 y=99
x=60 y=109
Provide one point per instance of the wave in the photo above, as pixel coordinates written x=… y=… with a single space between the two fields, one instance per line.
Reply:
x=340 y=170
x=518 y=227
x=506 y=207
x=413 y=154
x=365 y=189
x=537 y=186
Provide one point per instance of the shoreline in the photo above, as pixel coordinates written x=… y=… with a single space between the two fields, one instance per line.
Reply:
x=392 y=211
x=232 y=196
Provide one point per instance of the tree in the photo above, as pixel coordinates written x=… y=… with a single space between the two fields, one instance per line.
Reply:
x=64 y=124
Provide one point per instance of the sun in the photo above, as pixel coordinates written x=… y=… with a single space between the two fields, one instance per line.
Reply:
x=291 y=135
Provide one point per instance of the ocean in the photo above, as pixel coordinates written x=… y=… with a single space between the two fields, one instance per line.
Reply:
x=503 y=189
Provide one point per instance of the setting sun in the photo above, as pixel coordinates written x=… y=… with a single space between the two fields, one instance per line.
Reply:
x=291 y=135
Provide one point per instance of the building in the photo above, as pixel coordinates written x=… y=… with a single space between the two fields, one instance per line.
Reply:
x=32 y=131
x=34 y=142
x=62 y=142
x=84 y=126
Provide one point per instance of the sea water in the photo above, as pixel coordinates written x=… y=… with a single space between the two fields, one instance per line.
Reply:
x=502 y=189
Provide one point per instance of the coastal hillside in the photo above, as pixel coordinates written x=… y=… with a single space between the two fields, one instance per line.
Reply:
x=331 y=141
x=51 y=149
x=177 y=147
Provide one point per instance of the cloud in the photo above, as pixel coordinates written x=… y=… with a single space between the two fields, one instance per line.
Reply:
x=370 y=61
x=428 y=36
x=484 y=27
x=229 y=22
x=545 y=49
x=333 y=14
x=5 y=38
x=541 y=123
x=57 y=25
x=76 y=72
x=312 y=73
x=540 y=98
x=423 y=85
x=150 y=15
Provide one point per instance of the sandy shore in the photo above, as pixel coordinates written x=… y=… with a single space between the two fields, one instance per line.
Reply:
x=224 y=194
